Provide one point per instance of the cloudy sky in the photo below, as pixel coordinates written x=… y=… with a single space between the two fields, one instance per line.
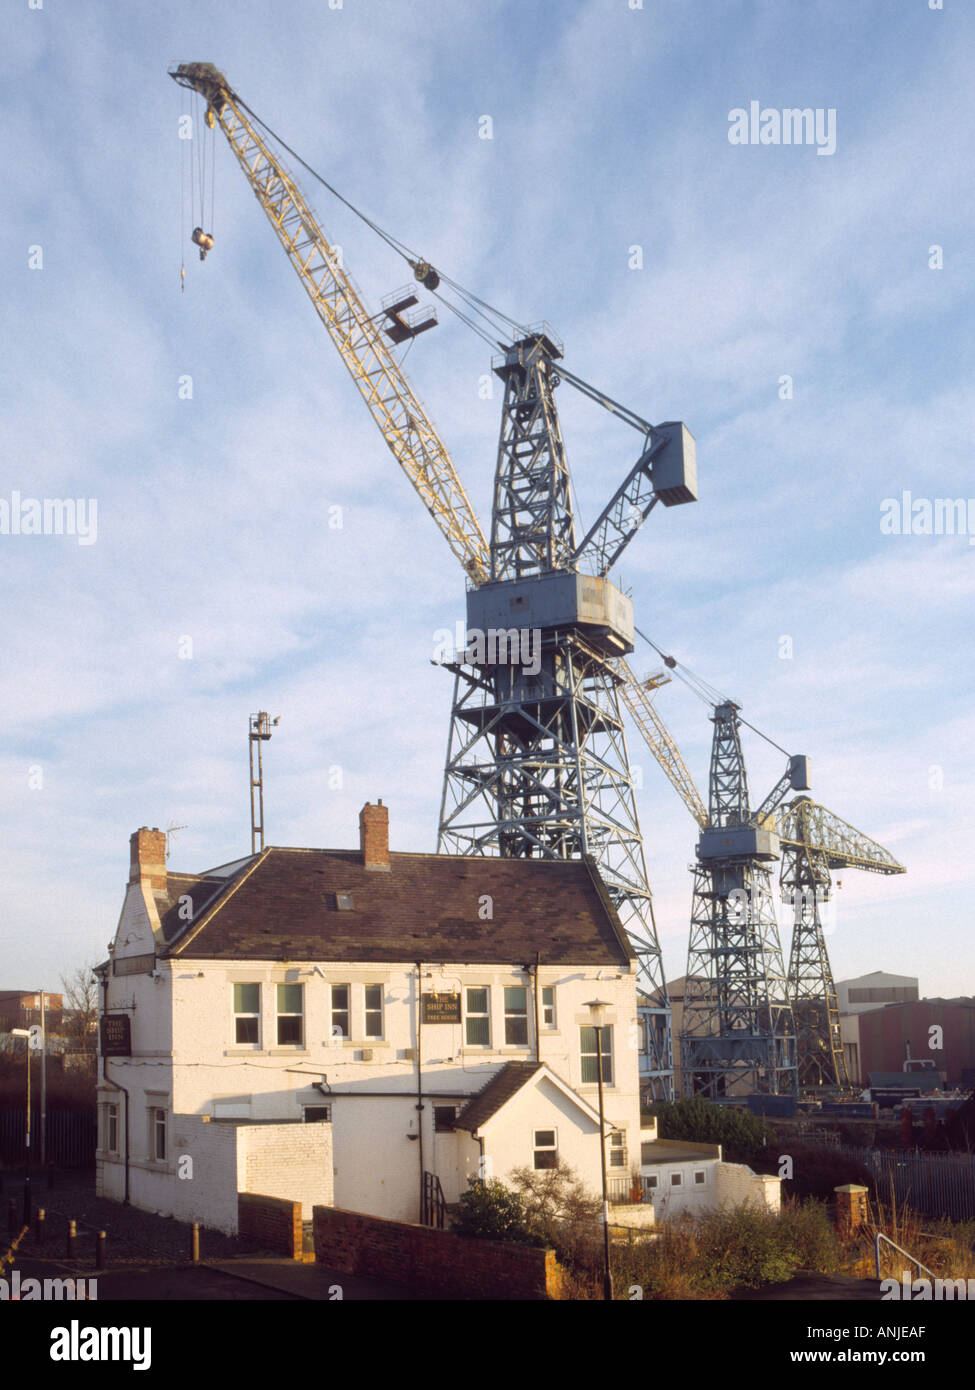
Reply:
x=215 y=586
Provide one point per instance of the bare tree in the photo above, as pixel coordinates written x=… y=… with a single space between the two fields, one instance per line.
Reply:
x=80 y=990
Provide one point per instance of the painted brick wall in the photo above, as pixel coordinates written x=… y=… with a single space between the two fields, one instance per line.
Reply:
x=293 y=1161
x=739 y=1186
x=437 y=1261
x=271 y=1221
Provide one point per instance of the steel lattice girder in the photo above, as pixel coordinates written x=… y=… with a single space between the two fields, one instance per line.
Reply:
x=549 y=777
x=738 y=1033
x=806 y=882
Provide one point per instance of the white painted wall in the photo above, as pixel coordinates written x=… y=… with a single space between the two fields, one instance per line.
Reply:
x=739 y=1186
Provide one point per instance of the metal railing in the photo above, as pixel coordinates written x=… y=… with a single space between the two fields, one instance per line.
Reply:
x=894 y=1246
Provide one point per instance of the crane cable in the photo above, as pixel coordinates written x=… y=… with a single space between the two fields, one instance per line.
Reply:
x=705 y=692
x=474 y=303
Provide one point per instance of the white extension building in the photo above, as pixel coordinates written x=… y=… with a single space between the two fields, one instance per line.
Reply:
x=362 y=1028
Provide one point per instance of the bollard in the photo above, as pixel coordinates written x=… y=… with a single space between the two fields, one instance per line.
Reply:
x=195 y=1243
x=50 y=1176
x=27 y=1205
x=12 y=1215
x=72 y=1237
x=100 y=1250
x=39 y=1225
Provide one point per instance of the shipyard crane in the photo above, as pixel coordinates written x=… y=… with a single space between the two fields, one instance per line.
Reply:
x=738 y=1033
x=813 y=842
x=537 y=764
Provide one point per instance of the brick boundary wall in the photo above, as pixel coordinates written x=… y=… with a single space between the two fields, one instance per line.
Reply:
x=437 y=1261
x=272 y=1221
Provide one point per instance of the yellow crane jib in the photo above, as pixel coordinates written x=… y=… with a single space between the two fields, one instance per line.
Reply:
x=358 y=337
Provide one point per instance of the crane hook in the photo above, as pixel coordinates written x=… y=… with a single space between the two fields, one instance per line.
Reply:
x=203 y=240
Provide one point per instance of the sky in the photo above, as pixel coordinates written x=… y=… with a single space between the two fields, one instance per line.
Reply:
x=806 y=310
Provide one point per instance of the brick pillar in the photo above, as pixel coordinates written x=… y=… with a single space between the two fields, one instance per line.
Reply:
x=851 y=1207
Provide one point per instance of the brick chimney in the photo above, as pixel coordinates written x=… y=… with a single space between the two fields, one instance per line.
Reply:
x=374 y=836
x=147 y=858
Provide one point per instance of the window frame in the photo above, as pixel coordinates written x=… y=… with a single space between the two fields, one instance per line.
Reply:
x=700 y=1177
x=475 y=1016
x=676 y=1179
x=541 y=1148
x=158 y=1130
x=516 y=1020
x=440 y=1126
x=591 y=1056
x=617 y=1149
x=366 y=1011
x=320 y=1119
x=243 y=1014
x=548 y=1010
x=282 y=1014
x=342 y=1035
x=111 y=1127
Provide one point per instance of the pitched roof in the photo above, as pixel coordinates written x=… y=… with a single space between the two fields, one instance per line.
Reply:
x=283 y=905
x=497 y=1092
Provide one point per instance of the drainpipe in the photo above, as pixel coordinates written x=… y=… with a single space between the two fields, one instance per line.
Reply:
x=112 y=1082
x=538 y=1035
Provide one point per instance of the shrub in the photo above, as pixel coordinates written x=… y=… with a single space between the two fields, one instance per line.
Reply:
x=743 y=1137
x=490 y=1211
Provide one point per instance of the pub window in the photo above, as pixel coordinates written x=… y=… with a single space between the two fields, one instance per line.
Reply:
x=617 y=1148
x=315 y=1114
x=374 y=1011
x=546 y=1149
x=548 y=1006
x=247 y=1013
x=157 y=1134
x=340 y=1012
x=111 y=1128
x=443 y=1118
x=290 y=1014
x=478 y=1023
x=592 y=1043
x=516 y=1015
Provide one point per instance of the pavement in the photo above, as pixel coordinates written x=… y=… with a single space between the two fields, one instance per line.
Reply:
x=815 y=1288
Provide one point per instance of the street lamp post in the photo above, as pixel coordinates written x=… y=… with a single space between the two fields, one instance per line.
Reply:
x=25 y=1034
x=597 y=1009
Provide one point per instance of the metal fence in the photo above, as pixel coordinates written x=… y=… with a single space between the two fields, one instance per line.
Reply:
x=71 y=1137
x=933 y=1184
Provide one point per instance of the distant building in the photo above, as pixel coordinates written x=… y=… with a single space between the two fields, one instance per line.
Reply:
x=860 y=996
x=938 y=1030
x=21 y=1008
